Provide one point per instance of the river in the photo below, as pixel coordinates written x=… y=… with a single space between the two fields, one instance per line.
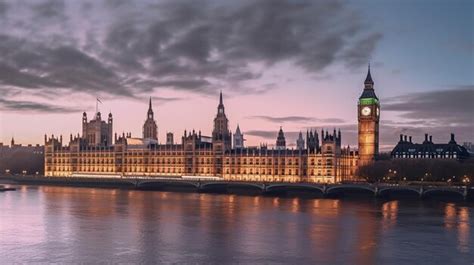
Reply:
x=46 y=224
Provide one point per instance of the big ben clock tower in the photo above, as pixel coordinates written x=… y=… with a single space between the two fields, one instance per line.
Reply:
x=368 y=116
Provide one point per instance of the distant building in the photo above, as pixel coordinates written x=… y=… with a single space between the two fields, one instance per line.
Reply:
x=19 y=159
x=405 y=148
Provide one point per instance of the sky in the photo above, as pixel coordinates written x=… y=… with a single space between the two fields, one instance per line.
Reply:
x=292 y=63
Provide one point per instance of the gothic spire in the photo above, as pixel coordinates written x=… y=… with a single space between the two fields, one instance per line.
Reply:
x=150 y=110
x=220 y=108
x=369 y=83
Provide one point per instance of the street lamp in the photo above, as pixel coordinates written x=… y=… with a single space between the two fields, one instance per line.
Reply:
x=466 y=180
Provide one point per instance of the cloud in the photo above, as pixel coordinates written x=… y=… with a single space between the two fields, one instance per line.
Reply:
x=163 y=100
x=296 y=119
x=3 y=8
x=128 y=49
x=453 y=107
x=49 y=9
x=359 y=54
x=34 y=107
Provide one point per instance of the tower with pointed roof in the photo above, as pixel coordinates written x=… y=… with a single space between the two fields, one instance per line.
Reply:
x=238 y=139
x=281 y=142
x=150 y=129
x=221 y=137
x=368 y=121
x=300 y=142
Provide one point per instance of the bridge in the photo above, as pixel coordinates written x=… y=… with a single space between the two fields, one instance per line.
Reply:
x=323 y=190
x=219 y=185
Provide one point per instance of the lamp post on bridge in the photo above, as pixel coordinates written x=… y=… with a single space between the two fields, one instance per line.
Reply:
x=392 y=174
x=466 y=180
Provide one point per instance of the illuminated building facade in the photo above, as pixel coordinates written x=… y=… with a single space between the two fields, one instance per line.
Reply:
x=318 y=158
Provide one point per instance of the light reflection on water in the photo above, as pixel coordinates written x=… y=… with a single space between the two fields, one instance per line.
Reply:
x=85 y=225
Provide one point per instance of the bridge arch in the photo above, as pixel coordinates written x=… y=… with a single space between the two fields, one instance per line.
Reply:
x=444 y=192
x=333 y=190
x=226 y=185
x=399 y=190
x=295 y=187
x=166 y=184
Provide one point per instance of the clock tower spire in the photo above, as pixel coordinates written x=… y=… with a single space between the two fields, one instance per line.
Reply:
x=368 y=118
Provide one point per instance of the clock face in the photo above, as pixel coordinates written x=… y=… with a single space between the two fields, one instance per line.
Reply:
x=365 y=111
x=378 y=112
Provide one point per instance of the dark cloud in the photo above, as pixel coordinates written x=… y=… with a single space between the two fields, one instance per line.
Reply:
x=36 y=67
x=296 y=119
x=49 y=9
x=451 y=107
x=33 y=107
x=166 y=99
x=125 y=48
x=359 y=54
x=3 y=8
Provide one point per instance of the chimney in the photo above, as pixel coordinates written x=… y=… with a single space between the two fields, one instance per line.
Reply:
x=452 y=138
x=406 y=140
x=426 y=137
x=410 y=139
x=401 y=137
x=431 y=138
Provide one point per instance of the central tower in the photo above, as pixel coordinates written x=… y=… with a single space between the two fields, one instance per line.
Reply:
x=221 y=136
x=150 y=129
x=368 y=116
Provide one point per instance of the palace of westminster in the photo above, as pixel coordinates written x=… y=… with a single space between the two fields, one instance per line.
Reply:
x=318 y=157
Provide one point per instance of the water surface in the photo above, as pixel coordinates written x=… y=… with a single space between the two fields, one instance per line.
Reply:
x=41 y=224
